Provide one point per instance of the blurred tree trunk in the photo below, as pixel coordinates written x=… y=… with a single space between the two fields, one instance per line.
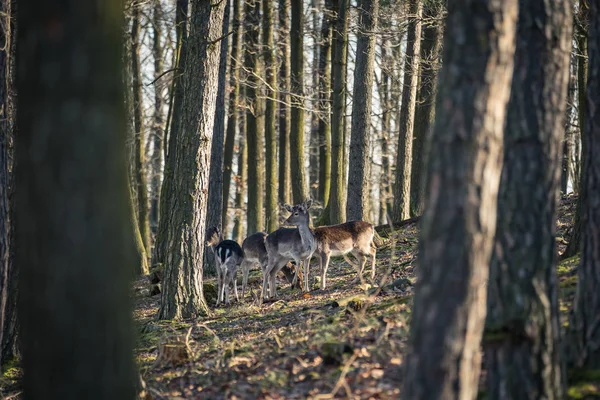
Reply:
x=215 y=186
x=323 y=105
x=316 y=9
x=138 y=121
x=299 y=182
x=386 y=127
x=255 y=136
x=71 y=202
x=285 y=174
x=583 y=334
x=522 y=332
x=567 y=149
x=359 y=174
x=181 y=32
x=234 y=96
x=242 y=181
x=431 y=44
x=182 y=294
x=271 y=209
x=401 y=209
x=458 y=226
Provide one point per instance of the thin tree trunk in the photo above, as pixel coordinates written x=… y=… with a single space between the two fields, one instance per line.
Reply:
x=242 y=180
x=285 y=175
x=71 y=202
x=324 y=104
x=522 y=333
x=138 y=108
x=386 y=127
x=234 y=96
x=567 y=150
x=401 y=209
x=359 y=173
x=299 y=182
x=313 y=146
x=424 y=111
x=458 y=226
x=584 y=334
x=183 y=295
x=215 y=186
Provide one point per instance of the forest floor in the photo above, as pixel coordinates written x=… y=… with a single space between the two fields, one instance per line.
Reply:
x=348 y=341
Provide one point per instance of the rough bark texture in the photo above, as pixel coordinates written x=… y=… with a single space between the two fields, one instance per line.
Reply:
x=271 y=208
x=584 y=331
x=401 y=208
x=254 y=135
x=299 y=182
x=76 y=251
x=139 y=175
x=431 y=44
x=285 y=177
x=182 y=295
x=323 y=105
x=181 y=31
x=215 y=187
x=522 y=333
x=337 y=195
x=234 y=96
x=459 y=223
x=359 y=173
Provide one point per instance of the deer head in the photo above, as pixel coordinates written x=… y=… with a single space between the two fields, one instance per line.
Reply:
x=300 y=215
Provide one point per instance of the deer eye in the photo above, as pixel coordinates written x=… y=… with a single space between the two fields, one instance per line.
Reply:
x=295 y=213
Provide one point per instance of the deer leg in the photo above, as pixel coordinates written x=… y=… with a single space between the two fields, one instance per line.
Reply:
x=266 y=279
x=362 y=260
x=373 y=253
x=306 y=269
x=324 y=261
x=245 y=272
x=218 y=284
x=235 y=291
x=225 y=295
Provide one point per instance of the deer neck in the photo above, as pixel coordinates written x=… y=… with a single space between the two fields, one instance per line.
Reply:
x=306 y=235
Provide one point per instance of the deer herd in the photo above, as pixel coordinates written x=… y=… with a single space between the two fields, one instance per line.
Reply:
x=299 y=244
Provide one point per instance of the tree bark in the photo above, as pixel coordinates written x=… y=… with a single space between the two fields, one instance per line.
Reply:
x=522 y=333
x=71 y=202
x=424 y=110
x=182 y=295
x=583 y=333
x=567 y=150
x=234 y=96
x=323 y=105
x=271 y=208
x=299 y=182
x=457 y=228
x=359 y=173
x=242 y=181
x=285 y=175
x=401 y=208
x=316 y=9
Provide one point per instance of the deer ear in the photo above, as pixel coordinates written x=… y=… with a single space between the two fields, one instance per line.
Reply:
x=288 y=208
x=308 y=203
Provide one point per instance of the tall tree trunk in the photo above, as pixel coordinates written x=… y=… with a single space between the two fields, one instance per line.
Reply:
x=567 y=149
x=242 y=180
x=234 y=95
x=522 y=333
x=424 y=111
x=181 y=31
x=254 y=135
x=337 y=196
x=182 y=295
x=581 y=39
x=458 y=226
x=138 y=121
x=584 y=334
x=215 y=186
x=386 y=127
x=159 y=125
x=71 y=202
x=299 y=183
x=359 y=173
x=401 y=209
x=313 y=146
x=285 y=174
x=323 y=105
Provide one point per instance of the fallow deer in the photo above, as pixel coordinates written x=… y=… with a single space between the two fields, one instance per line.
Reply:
x=228 y=257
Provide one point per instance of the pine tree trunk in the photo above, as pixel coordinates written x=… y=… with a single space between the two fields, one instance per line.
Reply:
x=424 y=111
x=234 y=96
x=401 y=209
x=71 y=202
x=215 y=186
x=584 y=335
x=138 y=122
x=254 y=135
x=386 y=126
x=458 y=226
x=181 y=31
x=242 y=180
x=337 y=196
x=182 y=295
x=323 y=105
x=313 y=145
x=285 y=174
x=522 y=333
x=567 y=150
x=359 y=173
x=299 y=182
